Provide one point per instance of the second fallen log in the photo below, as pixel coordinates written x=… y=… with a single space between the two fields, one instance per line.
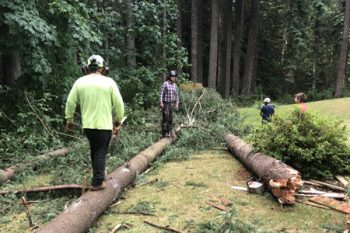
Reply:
x=280 y=178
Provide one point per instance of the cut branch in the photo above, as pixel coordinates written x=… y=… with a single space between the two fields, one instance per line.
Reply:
x=280 y=178
x=43 y=189
x=163 y=227
x=81 y=214
x=8 y=173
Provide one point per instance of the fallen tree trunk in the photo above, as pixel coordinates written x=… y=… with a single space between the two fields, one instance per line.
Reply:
x=8 y=173
x=81 y=214
x=280 y=178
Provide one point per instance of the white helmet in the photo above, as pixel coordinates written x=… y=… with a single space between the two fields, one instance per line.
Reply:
x=267 y=100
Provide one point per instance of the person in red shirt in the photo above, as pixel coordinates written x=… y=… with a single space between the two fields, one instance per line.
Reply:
x=300 y=100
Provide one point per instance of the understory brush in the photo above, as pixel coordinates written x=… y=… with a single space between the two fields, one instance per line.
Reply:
x=311 y=143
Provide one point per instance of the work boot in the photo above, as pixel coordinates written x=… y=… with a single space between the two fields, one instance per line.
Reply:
x=100 y=187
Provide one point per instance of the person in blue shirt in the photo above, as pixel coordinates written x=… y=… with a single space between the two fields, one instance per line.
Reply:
x=267 y=111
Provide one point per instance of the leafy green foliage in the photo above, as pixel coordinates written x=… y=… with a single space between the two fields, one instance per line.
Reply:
x=312 y=144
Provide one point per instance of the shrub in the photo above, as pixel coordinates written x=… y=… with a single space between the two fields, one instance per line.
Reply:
x=312 y=144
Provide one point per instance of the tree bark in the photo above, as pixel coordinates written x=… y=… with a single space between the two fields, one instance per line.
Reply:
x=130 y=39
x=194 y=40
x=251 y=49
x=340 y=84
x=11 y=66
x=280 y=178
x=81 y=214
x=239 y=11
x=200 y=43
x=179 y=31
x=8 y=173
x=226 y=51
x=213 y=54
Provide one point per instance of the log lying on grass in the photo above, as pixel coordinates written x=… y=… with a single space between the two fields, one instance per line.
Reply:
x=280 y=178
x=81 y=214
x=8 y=173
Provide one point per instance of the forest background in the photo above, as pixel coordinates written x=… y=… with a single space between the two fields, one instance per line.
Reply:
x=246 y=50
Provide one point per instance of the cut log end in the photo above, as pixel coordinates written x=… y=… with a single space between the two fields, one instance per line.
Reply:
x=284 y=189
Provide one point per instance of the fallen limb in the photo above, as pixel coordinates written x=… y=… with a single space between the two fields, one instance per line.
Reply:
x=24 y=203
x=219 y=207
x=280 y=178
x=314 y=204
x=342 y=180
x=148 y=182
x=43 y=189
x=120 y=226
x=163 y=227
x=80 y=215
x=8 y=173
x=334 y=187
x=137 y=213
x=334 y=204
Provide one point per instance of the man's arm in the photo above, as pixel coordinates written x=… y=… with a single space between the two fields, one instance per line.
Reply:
x=117 y=104
x=71 y=104
x=162 y=89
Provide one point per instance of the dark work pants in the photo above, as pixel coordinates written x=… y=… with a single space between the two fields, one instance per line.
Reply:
x=167 y=121
x=99 y=142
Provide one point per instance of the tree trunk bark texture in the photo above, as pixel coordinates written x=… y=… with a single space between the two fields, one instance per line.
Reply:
x=213 y=54
x=251 y=49
x=81 y=214
x=8 y=173
x=343 y=53
x=130 y=40
x=179 y=31
x=194 y=40
x=280 y=178
x=239 y=12
x=227 y=44
x=11 y=66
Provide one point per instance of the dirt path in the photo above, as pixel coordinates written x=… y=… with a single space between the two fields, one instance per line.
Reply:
x=178 y=199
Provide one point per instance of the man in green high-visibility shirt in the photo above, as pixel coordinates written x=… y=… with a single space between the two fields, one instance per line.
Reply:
x=102 y=108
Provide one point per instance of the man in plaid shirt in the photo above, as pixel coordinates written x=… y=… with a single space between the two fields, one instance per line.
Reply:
x=169 y=98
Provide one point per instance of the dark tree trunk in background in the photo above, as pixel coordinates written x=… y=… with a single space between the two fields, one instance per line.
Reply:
x=251 y=49
x=235 y=83
x=221 y=53
x=130 y=40
x=179 y=30
x=164 y=37
x=340 y=84
x=213 y=55
x=226 y=52
x=200 y=43
x=194 y=40
x=11 y=67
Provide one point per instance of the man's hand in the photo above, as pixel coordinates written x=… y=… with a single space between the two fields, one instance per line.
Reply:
x=161 y=105
x=177 y=106
x=70 y=126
